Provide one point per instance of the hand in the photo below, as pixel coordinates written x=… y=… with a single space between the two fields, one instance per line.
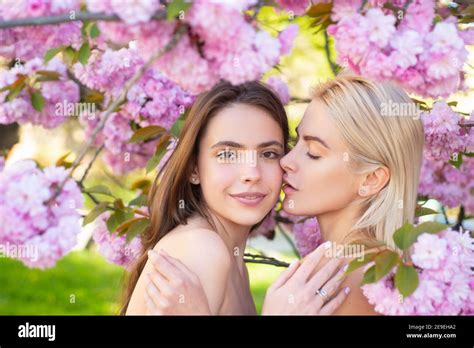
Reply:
x=294 y=292
x=173 y=289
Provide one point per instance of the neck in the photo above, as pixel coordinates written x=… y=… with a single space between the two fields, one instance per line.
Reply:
x=336 y=226
x=234 y=235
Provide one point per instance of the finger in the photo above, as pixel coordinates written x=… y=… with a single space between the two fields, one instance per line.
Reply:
x=335 y=303
x=157 y=300
x=333 y=284
x=185 y=271
x=311 y=261
x=156 y=280
x=150 y=307
x=285 y=275
x=163 y=266
x=322 y=276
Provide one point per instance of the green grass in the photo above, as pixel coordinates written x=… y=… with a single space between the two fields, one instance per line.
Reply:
x=83 y=283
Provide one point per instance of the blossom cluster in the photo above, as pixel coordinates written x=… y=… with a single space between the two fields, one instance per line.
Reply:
x=153 y=100
x=444 y=263
x=424 y=56
x=222 y=43
x=33 y=41
x=116 y=249
x=31 y=220
x=54 y=92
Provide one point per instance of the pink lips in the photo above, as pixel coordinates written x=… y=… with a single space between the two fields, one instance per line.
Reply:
x=249 y=198
x=287 y=187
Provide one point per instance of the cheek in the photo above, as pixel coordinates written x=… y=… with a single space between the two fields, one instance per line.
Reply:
x=329 y=186
x=272 y=176
x=216 y=177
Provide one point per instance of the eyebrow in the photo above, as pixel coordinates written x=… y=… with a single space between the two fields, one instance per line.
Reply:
x=240 y=146
x=313 y=138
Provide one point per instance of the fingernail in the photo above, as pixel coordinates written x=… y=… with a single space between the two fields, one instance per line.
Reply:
x=293 y=263
x=347 y=290
x=327 y=244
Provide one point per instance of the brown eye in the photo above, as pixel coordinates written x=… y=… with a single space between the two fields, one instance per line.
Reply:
x=271 y=155
x=226 y=154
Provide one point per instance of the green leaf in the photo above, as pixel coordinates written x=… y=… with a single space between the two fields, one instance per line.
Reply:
x=153 y=163
x=142 y=184
x=37 y=101
x=402 y=236
x=62 y=162
x=406 y=279
x=117 y=218
x=94 y=31
x=384 y=263
x=90 y=29
x=84 y=53
x=178 y=125
x=422 y=211
x=146 y=133
x=47 y=75
x=94 y=213
x=137 y=228
x=99 y=189
x=118 y=203
x=369 y=276
x=406 y=235
x=51 y=53
x=160 y=152
x=69 y=55
x=430 y=227
x=15 y=90
x=139 y=201
x=175 y=7
x=356 y=263
x=122 y=228
x=458 y=161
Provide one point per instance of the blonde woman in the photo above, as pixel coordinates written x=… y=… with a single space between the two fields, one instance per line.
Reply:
x=355 y=166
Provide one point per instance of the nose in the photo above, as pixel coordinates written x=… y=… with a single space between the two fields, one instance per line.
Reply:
x=250 y=173
x=287 y=162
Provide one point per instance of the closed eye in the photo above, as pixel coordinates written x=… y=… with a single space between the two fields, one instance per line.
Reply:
x=312 y=156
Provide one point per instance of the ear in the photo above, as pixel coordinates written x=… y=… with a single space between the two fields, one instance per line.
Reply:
x=194 y=179
x=374 y=182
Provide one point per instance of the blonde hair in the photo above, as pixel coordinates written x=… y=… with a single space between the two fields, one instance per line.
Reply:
x=378 y=136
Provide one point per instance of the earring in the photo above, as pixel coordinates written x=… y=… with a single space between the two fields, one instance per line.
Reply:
x=362 y=191
x=194 y=180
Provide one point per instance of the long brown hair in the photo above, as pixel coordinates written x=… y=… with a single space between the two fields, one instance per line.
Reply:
x=172 y=189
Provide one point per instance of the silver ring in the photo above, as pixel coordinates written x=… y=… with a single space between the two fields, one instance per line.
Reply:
x=321 y=292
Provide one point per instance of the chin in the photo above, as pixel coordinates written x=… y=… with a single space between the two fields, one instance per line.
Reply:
x=248 y=218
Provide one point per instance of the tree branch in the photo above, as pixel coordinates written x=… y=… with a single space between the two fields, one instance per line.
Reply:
x=328 y=53
x=90 y=164
x=116 y=103
x=265 y=260
x=72 y=16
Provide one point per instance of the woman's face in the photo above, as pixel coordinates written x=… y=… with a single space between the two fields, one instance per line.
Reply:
x=317 y=177
x=239 y=164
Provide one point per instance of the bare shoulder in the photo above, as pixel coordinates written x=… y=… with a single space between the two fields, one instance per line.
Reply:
x=202 y=245
x=356 y=303
x=203 y=252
